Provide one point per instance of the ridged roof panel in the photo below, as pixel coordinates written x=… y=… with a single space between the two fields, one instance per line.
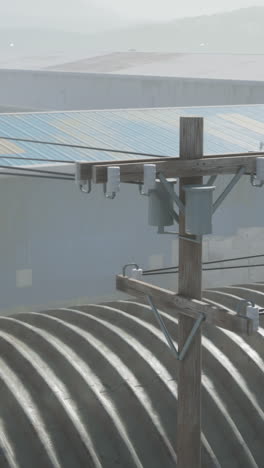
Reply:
x=96 y=386
x=228 y=129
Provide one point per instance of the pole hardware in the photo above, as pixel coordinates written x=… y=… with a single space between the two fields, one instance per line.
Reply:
x=161 y=230
x=251 y=310
x=178 y=355
x=199 y=207
x=171 y=192
x=85 y=186
x=150 y=173
x=112 y=187
x=258 y=179
x=228 y=188
x=136 y=273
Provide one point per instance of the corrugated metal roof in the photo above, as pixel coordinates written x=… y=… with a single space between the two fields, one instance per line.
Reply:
x=67 y=374
x=228 y=129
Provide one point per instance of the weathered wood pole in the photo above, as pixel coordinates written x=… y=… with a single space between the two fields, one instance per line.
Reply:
x=190 y=285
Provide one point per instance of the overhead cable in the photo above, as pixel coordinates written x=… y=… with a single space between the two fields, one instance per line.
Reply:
x=153 y=270
x=170 y=272
x=91 y=148
x=41 y=171
x=17 y=174
x=61 y=161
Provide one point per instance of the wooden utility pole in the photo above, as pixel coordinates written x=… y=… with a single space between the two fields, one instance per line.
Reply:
x=190 y=285
x=187 y=304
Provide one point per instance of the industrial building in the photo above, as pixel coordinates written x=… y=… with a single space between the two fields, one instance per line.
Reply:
x=130 y=80
x=61 y=247
x=96 y=386
x=123 y=384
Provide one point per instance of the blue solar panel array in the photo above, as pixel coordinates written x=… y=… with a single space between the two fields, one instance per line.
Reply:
x=228 y=129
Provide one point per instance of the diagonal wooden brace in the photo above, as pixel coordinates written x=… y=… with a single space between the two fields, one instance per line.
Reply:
x=168 y=300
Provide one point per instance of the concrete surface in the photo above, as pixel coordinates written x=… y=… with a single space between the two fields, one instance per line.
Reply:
x=50 y=90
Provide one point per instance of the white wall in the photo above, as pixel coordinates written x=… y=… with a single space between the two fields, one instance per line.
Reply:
x=46 y=90
x=73 y=244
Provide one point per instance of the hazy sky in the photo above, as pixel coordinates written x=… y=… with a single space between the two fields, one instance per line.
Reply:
x=169 y=9
x=104 y=14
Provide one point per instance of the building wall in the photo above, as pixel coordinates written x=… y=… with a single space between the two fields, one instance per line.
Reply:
x=62 y=247
x=46 y=90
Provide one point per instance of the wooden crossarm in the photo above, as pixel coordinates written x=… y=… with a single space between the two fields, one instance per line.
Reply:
x=168 y=300
x=86 y=167
x=175 y=167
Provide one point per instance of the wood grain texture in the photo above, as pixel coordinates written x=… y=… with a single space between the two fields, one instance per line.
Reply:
x=169 y=301
x=175 y=167
x=190 y=285
x=86 y=168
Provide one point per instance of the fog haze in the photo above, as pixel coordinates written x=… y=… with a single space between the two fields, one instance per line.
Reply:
x=37 y=33
x=87 y=15
x=170 y=9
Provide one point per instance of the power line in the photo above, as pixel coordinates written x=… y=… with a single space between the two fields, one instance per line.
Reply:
x=237 y=267
x=91 y=148
x=206 y=263
x=234 y=267
x=41 y=171
x=17 y=174
x=94 y=148
x=39 y=159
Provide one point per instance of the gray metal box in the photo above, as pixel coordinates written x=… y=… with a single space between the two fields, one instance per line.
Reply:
x=198 y=209
x=160 y=206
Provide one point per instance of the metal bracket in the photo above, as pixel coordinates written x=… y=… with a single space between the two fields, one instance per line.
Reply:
x=179 y=356
x=88 y=186
x=254 y=181
x=211 y=180
x=107 y=195
x=244 y=301
x=228 y=188
x=161 y=230
x=172 y=212
x=140 y=188
x=125 y=267
x=172 y=194
x=85 y=185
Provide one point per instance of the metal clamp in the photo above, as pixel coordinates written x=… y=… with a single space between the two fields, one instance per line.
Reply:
x=149 y=179
x=87 y=187
x=244 y=301
x=179 y=356
x=84 y=183
x=113 y=182
x=254 y=181
x=125 y=267
x=107 y=195
x=141 y=191
x=251 y=311
x=161 y=230
x=172 y=194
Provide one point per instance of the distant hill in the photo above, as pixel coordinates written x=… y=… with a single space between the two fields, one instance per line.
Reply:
x=240 y=31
